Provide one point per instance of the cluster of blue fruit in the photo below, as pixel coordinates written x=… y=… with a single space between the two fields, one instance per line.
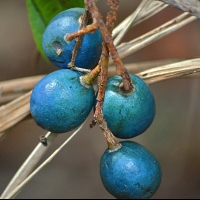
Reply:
x=60 y=103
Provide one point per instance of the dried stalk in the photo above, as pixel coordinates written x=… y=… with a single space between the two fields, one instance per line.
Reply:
x=173 y=70
x=18 y=85
x=98 y=22
x=9 y=97
x=132 y=46
x=153 y=8
x=14 y=105
x=14 y=117
x=134 y=68
x=111 y=17
x=84 y=21
x=130 y=22
x=29 y=164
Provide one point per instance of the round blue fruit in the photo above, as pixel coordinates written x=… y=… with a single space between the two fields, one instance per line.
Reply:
x=59 y=103
x=131 y=172
x=59 y=52
x=128 y=114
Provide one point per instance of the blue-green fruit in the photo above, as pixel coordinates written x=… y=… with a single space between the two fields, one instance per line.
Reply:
x=131 y=172
x=128 y=114
x=59 y=52
x=59 y=103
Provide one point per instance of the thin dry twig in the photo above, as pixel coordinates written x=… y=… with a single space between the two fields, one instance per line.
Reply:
x=98 y=115
x=98 y=22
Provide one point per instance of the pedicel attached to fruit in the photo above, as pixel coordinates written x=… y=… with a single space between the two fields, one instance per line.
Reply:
x=131 y=172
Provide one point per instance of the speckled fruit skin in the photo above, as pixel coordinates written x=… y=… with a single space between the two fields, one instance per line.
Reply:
x=59 y=103
x=53 y=39
x=128 y=115
x=132 y=172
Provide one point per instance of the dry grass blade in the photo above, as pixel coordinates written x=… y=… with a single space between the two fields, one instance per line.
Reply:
x=170 y=71
x=130 y=22
x=150 y=10
x=15 y=104
x=9 y=97
x=14 y=118
x=134 y=68
x=132 y=46
x=18 y=188
x=29 y=164
x=19 y=85
x=15 y=111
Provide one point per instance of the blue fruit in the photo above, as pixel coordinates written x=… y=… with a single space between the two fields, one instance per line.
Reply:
x=53 y=41
x=128 y=115
x=131 y=172
x=59 y=103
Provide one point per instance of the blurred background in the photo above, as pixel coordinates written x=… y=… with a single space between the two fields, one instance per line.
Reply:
x=174 y=136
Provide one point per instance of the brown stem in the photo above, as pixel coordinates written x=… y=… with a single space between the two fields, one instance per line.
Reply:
x=127 y=85
x=112 y=142
x=84 y=21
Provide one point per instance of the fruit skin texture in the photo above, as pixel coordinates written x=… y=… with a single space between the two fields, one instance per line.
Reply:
x=132 y=172
x=59 y=103
x=53 y=39
x=128 y=115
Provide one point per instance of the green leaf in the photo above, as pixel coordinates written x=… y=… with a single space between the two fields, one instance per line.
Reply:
x=40 y=12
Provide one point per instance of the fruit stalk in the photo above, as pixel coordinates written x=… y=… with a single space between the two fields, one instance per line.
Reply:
x=127 y=85
x=112 y=142
x=84 y=21
x=98 y=115
x=103 y=68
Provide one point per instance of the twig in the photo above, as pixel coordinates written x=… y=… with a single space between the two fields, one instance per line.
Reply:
x=84 y=22
x=111 y=17
x=98 y=22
